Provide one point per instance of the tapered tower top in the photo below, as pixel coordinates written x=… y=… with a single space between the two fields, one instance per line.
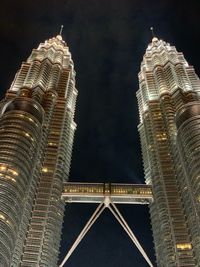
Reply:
x=160 y=50
x=56 y=42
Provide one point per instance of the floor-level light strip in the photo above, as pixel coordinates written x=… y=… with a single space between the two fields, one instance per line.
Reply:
x=87 y=227
x=112 y=207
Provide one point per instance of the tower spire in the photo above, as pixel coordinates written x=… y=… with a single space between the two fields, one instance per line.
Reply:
x=152 y=32
x=154 y=38
x=61 y=30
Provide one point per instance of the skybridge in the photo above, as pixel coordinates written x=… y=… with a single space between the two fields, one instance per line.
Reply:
x=107 y=195
x=117 y=193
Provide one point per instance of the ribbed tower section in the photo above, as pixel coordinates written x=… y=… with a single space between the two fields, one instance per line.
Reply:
x=188 y=138
x=36 y=137
x=167 y=84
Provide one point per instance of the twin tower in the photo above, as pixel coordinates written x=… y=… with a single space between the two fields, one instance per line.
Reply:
x=36 y=138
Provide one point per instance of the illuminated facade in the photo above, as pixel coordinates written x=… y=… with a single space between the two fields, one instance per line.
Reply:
x=36 y=136
x=169 y=107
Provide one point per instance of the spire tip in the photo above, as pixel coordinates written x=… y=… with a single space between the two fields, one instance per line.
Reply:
x=152 y=31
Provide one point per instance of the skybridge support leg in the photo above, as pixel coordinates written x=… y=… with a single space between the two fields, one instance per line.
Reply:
x=87 y=227
x=106 y=203
x=112 y=207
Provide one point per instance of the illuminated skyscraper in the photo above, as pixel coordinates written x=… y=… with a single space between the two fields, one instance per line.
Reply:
x=36 y=136
x=169 y=107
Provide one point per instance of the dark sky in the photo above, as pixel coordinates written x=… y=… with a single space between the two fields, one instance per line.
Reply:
x=107 y=40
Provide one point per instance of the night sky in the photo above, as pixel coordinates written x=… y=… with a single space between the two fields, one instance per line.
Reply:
x=107 y=40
